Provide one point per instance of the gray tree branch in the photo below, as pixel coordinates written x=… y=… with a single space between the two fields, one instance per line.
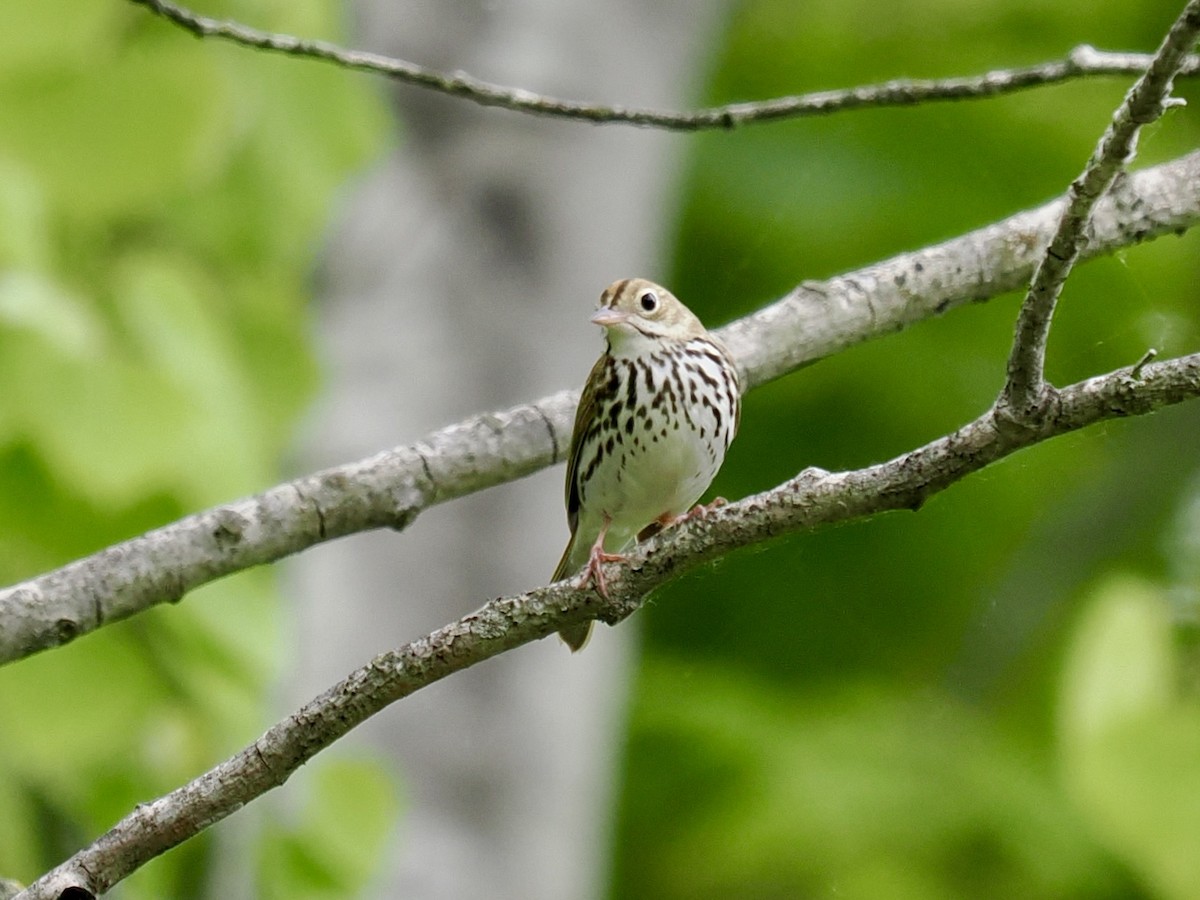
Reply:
x=391 y=488
x=1025 y=389
x=1083 y=61
x=813 y=498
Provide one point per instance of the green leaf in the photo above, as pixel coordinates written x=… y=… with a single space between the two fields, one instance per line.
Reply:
x=160 y=203
x=36 y=303
x=116 y=137
x=743 y=790
x=1120 y=667
x=176 y=323
x=334 y=846
x=25 y=238
x=62 y=753
x=43 y=34
x=1129 y=743
x=18 y=844
x=107 y=427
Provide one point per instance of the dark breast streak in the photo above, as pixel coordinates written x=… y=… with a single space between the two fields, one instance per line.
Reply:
x=660 y=392
x=601 y=437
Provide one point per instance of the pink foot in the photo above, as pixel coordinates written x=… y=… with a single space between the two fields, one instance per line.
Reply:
x=594 y=570
x=702 y=510
x=666 y=520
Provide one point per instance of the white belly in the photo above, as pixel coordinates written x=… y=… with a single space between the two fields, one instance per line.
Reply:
x=663 y=478
x=660 y=468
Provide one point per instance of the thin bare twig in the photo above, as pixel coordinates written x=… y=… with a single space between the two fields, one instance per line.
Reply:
x=1026 y=393
x=1083 y=61
x=813 y=498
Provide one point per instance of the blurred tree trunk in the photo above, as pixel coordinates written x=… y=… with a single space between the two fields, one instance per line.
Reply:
x=460 y=279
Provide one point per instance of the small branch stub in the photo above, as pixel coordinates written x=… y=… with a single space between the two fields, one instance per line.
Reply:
x=1148 y=357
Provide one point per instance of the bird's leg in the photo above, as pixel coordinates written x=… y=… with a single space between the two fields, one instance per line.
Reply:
x=655 y=527
x=664 y=521
x=594 y=571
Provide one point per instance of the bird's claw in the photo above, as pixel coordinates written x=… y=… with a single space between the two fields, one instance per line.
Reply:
x=593 y=572
x=703 y=510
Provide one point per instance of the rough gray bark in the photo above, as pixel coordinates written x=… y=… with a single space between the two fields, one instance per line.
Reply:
x=812 y=498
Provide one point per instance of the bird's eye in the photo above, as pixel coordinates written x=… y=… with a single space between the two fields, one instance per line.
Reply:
x=649 y=301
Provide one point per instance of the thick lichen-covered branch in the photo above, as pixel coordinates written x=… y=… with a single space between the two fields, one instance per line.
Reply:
x=812 y=499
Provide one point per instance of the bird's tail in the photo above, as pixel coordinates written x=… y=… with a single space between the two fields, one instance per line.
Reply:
x=574 y=636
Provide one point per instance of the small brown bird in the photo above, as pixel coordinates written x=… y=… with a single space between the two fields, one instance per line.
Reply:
x=659 y=409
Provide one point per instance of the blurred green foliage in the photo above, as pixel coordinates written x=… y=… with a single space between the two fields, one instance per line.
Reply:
x=992 y=697
x=160 y=200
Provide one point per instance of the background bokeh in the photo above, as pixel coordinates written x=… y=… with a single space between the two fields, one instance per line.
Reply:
x=993 y=697
x=161 y=203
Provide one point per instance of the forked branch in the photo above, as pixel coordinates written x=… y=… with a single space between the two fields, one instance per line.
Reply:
x=1026 y=393
x=811 y=499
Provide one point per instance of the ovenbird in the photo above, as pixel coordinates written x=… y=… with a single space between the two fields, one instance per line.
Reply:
x=658 y=412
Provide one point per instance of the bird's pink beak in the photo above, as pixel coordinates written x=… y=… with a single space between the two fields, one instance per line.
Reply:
x=607 y=317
